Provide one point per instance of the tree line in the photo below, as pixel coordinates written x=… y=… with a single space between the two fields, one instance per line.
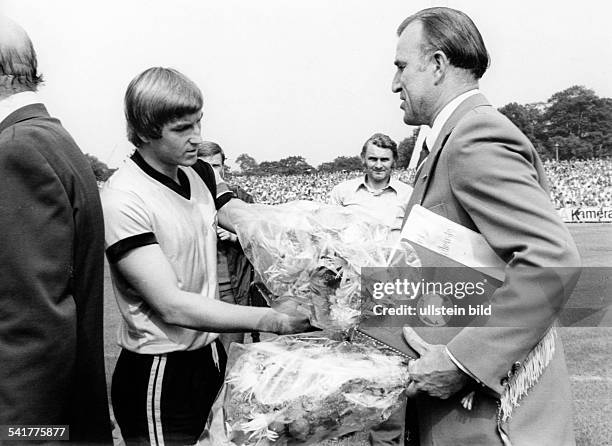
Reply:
x=573 y=124
x=101 y=171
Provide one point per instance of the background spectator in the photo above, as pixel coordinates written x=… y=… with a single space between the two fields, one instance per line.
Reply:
x=572 y=183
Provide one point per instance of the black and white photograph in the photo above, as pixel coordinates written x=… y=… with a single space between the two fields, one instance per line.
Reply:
x=323 y=222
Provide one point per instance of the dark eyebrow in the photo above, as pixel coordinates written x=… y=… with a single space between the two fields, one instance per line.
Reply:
x=180 y=125
x=185 y=122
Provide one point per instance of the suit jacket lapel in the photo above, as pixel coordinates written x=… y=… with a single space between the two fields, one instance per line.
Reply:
x=422 y=182
x=22 y=114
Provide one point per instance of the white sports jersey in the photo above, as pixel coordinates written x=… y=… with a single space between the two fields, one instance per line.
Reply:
x=142 y=207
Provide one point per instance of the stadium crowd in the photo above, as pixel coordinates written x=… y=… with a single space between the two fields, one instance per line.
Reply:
x=572 y=183
x=277 y=189
x=580 y=182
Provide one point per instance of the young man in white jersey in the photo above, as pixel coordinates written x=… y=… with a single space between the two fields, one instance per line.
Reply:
x=161 y=210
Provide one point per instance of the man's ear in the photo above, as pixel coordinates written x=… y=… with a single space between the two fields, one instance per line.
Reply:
x=441 y=65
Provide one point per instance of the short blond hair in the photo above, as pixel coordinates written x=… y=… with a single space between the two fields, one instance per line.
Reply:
x=156 y=97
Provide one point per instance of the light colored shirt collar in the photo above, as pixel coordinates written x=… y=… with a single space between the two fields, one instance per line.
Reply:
x=363 y=182
x=444 y=114
x=17 y=101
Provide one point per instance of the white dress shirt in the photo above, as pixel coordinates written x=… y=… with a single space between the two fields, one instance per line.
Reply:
x=16 y=101
x=444 y=114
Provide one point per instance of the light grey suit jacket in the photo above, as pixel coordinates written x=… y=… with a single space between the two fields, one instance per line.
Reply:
x=484 y=174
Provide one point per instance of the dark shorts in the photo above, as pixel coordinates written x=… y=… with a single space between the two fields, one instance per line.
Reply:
x=165 y=399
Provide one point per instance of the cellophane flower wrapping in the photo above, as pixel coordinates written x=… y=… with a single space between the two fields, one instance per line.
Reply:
x=303 y=389
x=313 y=253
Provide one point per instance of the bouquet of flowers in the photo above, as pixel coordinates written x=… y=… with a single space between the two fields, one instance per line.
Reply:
x=303 y=389
x=313 y=253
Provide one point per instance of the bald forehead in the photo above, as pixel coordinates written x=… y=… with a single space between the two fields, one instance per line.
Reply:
x=11 y=34
x=411 y=39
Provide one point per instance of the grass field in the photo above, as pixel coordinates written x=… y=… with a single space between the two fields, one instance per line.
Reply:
x=588 y=349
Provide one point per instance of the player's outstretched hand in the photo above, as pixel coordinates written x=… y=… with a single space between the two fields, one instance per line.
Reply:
x=286 y=318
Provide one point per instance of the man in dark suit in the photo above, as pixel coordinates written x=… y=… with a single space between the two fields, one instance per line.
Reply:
x=51 y=257
x=483 y=173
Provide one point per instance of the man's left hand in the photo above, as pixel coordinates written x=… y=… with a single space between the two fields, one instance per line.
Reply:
x=434 y=372
x=224 y=235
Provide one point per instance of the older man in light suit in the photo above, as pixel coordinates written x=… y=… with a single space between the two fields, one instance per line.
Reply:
x=480 y=171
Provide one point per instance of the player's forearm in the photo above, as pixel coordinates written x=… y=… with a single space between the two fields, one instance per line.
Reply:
x=236 y=212
x=233 y=213
x=191 y=310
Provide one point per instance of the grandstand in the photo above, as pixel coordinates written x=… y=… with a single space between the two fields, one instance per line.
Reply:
x=573 y=183
x=579 y=183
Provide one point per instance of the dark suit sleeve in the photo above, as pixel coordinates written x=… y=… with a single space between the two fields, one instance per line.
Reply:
x=496 y=177
x=37 y=315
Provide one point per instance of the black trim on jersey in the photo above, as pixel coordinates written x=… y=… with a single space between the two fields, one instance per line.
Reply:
x=223 y=199
x=207 y=174
x=182 y=188
x=115 y=252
